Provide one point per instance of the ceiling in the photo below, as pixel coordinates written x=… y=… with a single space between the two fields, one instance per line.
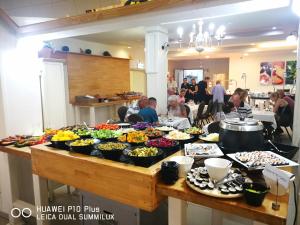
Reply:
x=244 y=33
x=25 y=12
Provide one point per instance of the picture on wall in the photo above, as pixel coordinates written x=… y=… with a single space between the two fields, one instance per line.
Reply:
x=272 y=73
x=291 y=71
x=265 y=73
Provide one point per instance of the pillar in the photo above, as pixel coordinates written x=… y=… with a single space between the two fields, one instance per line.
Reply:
x=157 y=66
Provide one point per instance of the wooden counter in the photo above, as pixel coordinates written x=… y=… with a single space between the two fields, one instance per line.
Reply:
x=125 y=183
x=24 y=152
x=104 y=104
x=238 y=206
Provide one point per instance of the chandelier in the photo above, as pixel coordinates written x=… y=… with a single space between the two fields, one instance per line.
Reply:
x=201 y=39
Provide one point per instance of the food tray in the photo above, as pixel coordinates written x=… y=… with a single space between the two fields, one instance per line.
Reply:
x=194 y=176
x=202 y=150
x=165 y=129
x=263 y=155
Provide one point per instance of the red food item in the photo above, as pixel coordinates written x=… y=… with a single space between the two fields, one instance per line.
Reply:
x=105 y=126
x=161 y=143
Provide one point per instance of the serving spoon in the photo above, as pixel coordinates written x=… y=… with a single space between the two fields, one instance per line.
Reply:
x=275 y=147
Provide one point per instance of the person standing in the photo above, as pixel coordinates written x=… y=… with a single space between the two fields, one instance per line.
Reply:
x=185 y=85
x=202 y=90
x=218 y=93
x=172 y=85
x=193 y=89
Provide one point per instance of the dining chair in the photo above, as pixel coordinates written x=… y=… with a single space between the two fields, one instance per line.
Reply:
x=198 y=121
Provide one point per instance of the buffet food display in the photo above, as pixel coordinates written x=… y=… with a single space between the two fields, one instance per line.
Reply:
x=178 y=135
x=202 y=150
x=231 y=187
x=259 y=159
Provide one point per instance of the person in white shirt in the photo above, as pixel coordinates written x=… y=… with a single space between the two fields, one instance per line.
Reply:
x=172 y=85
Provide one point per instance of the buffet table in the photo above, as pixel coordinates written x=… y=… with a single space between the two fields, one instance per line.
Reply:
x=140 y=187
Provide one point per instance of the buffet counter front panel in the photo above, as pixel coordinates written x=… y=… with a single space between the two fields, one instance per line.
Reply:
x=124 y=183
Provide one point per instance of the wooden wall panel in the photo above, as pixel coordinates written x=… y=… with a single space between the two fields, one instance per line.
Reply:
x=91 y=75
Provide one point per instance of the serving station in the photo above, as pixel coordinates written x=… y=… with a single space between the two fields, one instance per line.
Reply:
x=131 y=166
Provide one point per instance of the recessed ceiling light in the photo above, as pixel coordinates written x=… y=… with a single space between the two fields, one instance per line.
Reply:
x=252 y=44
x=129 y=47
x=274 y=28
x=207 y=56
x=295 y=51
x=246 y=54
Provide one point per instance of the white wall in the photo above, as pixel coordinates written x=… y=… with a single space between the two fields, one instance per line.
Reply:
x=251 y=66
x=7 y=43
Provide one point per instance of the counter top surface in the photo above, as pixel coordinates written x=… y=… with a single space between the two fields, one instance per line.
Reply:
x=24 y=152
x=103 y=104
x=237 y=206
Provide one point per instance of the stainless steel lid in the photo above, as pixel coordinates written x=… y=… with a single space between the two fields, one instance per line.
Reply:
x=246 y=125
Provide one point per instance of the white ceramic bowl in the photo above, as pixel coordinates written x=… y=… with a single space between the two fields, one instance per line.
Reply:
x=185 y=164
x=217 y=168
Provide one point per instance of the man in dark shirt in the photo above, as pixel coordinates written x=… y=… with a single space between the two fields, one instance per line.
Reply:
x=202 y=90
x=185 y=85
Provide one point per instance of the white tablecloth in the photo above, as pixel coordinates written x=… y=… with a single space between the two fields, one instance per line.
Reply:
x=265 y=116
x=177 y=122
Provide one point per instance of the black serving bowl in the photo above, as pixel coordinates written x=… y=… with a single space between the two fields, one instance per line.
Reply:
x=169 y=172
x=60 y=144
x=108 y=139
x=144 y=161
x=113 y=154
x=255 y=193
x=85 y=136
x=85 y=149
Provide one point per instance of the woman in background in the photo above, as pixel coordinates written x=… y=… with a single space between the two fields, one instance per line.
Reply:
x=284 y=115
x=181 y=97
x=174 y=108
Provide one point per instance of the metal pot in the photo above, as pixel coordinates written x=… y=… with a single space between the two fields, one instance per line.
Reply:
x=241 y=135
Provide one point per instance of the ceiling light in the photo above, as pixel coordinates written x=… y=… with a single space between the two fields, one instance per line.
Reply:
x=207 y=56
x=292 y=38
x=274 y=28
x=246 y=54
x=180 y=32
x=295 y=51
x=252 y=44
x=296 y=7
x=129 y=47
x=211 y=26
